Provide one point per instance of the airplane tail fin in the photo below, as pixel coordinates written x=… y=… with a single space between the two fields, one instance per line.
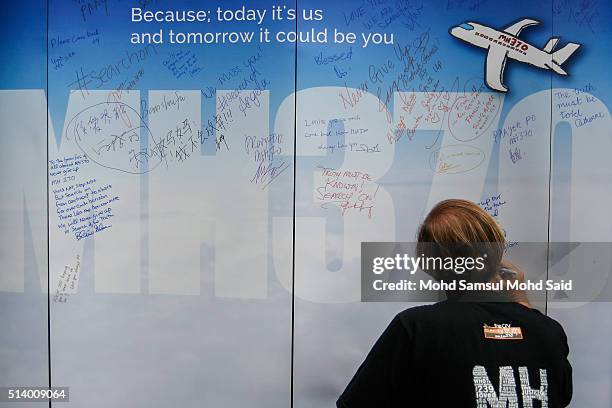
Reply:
x=560 y=56
x=550 y=45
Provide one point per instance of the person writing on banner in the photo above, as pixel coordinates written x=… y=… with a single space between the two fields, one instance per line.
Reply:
x=475 y=349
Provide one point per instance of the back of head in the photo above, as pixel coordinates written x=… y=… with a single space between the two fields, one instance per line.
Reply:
x=460 y=229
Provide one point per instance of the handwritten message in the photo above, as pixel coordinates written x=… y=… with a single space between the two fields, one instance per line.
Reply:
x=492 y=204
x=454 y=159
x=68 y=281
x=83 y=206
x=577 y=106
x=62 y=48
x=515 y=134
x=107 y=72
x=109 y=134
x=183 y=63
x=349 y=190
x=265 y=151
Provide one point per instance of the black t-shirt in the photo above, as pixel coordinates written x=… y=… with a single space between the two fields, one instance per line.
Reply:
x=465 y=354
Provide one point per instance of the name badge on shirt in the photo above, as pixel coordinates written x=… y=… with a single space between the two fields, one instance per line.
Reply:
x=502 y=332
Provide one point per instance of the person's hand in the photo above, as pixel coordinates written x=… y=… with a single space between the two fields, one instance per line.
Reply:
x=508 y=270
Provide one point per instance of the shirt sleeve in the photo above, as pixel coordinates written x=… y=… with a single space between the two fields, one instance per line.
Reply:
x=378 y=379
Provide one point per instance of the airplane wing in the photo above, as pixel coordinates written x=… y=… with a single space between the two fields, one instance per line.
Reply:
x=516 y=28
x=494 y=68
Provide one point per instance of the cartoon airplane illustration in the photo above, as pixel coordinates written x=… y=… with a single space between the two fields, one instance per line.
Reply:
x=505 y=44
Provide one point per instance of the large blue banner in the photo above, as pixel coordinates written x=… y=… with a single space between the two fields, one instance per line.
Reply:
x=187 y=184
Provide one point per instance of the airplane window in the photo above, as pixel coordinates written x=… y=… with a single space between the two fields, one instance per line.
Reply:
x=467 y=26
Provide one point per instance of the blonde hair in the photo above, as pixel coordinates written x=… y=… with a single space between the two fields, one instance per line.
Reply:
x=459 y=227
